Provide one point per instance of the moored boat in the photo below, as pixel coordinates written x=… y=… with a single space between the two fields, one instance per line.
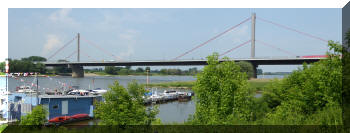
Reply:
x=60 y=119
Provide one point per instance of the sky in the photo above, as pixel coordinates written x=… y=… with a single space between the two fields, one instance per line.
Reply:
x=163 y=34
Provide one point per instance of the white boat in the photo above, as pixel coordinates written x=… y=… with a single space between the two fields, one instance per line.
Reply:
x=25 y=89
x=170 y=94
x=78 y=92
x=98 y=91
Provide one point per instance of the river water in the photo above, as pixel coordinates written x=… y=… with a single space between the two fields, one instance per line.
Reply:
x=168 y=112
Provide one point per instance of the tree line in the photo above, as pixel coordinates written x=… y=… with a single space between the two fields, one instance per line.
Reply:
x=29 y=64
x=141 y=71
x=245 y=67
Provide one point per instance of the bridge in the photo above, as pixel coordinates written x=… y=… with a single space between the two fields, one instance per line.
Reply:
x=78 y=71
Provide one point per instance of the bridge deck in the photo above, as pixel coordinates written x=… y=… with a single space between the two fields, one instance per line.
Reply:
x=256 y=61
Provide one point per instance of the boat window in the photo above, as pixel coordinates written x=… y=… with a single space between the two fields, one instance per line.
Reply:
x=55 y=107
x=64 y=107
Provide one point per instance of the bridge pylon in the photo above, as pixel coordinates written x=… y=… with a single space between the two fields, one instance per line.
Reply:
x=253 y=36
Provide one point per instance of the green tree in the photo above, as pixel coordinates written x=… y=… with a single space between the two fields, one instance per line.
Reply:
x=192 y=71
x=36 y=117
x=305 y=95
x=34 y=58
x=247 y=68
x=139 y=70
x=2 y=66
x=346 y=78
x=215 y=90
x=164 y=71
x=148 y=68
x=125 y=106
x=110 y=70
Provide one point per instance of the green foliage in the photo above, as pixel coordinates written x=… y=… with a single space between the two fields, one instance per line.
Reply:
x=307 y=94
x=247 y=68
x=346 y=78
x=2 y=127
x=26 y=66
x=110 y=70
x=34 y=58
x=215 y=90
x=36 y=117
x=139 y=70
x=125 y=106
x=2 y=66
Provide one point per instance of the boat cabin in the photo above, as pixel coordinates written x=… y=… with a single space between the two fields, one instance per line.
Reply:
x=56 y=105
x=68 y=105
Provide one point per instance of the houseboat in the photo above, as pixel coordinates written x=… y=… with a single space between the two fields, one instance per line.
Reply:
x=57 y=106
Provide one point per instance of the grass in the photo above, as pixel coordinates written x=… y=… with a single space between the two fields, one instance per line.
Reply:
x=2 y=127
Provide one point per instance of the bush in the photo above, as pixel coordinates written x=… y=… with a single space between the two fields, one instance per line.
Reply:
x=36 y=117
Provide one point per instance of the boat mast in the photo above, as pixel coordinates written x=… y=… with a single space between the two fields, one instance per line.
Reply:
x=7 y=91
x=147 y=79
x=37 y=88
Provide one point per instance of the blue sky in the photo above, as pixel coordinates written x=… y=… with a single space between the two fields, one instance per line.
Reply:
x=163 y=34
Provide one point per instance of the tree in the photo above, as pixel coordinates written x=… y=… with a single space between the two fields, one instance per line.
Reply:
x=139 y=70
x=2 y=66
x=247 y=68
x=125 y=106
x=193 y=71
x=310 y=93
x=346 y=78
x=110 y=70
x=215 y=90
x=164 y=71
x=148 y=69
x=34 y=58
x=36 y=117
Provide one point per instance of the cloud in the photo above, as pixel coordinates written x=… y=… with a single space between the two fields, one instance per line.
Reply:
x=52 y=42
x=117 y=20
x=129 y=35
x=62 y=16
x=130 y=51
x=130 y=38
x=239 y=35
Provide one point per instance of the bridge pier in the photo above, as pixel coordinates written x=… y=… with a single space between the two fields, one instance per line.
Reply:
x=77 y=71
x=255 y=69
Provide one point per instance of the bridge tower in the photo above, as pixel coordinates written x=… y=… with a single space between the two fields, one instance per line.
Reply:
x=77 y=70
x=255 y=66
x=253 y=36
x=78 y=53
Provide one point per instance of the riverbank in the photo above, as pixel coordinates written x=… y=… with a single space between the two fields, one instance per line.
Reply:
x=256 y=84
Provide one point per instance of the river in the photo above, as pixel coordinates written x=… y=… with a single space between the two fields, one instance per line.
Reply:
x=168 y=112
